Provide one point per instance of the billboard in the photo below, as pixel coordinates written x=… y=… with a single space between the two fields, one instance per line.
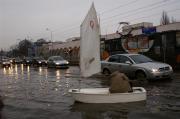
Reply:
x=149 y=30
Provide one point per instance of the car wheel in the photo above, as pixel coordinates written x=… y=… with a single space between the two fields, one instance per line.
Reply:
x=106 y=72
x=140 y=75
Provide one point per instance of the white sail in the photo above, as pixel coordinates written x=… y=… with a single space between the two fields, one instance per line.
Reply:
x=90 y=44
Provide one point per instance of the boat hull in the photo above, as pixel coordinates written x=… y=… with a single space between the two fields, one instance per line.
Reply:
x=102 y=95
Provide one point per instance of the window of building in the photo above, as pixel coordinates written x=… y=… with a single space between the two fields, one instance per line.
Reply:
x=132 y=43
x=143 y=42
x=178 y=39
x=107 y=46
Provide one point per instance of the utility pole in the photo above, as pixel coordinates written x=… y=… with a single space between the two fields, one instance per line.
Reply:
x=164 y=47
x=50 y=33
x=47 y=29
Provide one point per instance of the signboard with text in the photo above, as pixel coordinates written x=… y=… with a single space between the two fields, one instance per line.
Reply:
x=149 y=30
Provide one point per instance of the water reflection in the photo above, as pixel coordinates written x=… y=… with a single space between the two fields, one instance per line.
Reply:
x=7 y=70
x=58 y=74
x=107 y=111
x=4 y=70
x=68 y=72
x=46 y=72
x=40 y=70
x=58 y=85
x=16 y=72
x=45 y=94
x=11 y=72
x=28 y=73
x=22 y=67
x=16 y=69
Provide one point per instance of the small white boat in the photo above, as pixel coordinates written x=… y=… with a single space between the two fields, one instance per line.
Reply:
x=90 y=64
x=102 y=95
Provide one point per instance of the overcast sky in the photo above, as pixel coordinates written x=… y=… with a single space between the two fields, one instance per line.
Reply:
x=20 y=19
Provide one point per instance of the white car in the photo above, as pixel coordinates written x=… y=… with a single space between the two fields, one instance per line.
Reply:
x=137 y=66
x=6 y=63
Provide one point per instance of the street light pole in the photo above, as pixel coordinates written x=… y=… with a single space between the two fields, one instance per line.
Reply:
x=52 y=47
x=51 y=33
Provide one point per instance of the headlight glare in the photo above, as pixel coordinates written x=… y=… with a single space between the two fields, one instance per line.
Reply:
x=57 y=63
x=154 y=70
x=170 y=68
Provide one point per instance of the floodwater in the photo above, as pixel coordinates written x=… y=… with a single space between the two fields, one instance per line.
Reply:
x=41 y=93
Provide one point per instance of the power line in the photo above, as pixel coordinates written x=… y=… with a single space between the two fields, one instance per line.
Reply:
x=71 y=26
x=112 y=17
x=173 y=10
x=131 y=2
x=135 y=10
x=151 y=8
x=150 y=5
x=69 y=29
x=155 y=4
x=110 y=10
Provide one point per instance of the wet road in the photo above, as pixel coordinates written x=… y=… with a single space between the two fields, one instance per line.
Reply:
x=41 y=93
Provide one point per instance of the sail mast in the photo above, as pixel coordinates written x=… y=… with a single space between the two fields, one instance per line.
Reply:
x=90 y=44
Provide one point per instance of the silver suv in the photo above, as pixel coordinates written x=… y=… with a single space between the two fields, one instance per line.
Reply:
x=136 y=66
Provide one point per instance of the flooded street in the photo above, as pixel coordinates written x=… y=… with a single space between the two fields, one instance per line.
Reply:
x=41 y=93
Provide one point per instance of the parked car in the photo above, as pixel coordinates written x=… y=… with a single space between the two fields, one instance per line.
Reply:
x=12 y=60
x=57 y=62
x=18 y=60
x=39 y=61
x=27 y=61
x=136 y=66
x=6 y=63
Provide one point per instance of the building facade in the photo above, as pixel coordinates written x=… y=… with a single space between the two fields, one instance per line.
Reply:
x=161 y=43
x=158 y=42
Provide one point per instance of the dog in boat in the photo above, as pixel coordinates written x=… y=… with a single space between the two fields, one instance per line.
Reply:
x=119 y=83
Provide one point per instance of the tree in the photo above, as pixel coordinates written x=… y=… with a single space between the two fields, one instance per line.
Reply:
x=24 y=45
x=40 y=41
x=164 y=19
x=1 y=53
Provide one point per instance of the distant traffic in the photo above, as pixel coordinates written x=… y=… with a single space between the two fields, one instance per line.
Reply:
x=135 y=66
x=53 y=61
